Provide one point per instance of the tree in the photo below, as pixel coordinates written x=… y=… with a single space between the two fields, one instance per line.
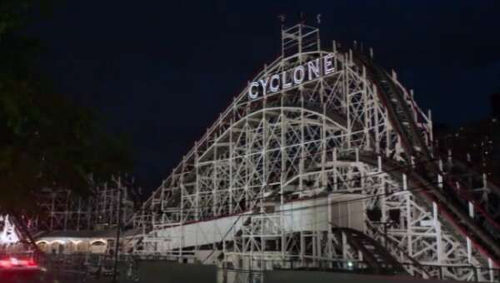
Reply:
x=45 y=139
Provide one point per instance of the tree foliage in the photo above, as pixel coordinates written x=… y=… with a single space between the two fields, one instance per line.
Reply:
x=45 y=139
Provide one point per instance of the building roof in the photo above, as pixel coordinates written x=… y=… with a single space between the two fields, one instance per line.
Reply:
x=109 y=233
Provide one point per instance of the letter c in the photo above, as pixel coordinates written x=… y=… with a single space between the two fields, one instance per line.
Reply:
x=251 y=94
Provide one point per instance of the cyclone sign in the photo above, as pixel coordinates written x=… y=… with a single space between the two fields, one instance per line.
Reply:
x=306 y=72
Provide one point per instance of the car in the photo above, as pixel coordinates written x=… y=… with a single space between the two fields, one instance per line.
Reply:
x=13 y=269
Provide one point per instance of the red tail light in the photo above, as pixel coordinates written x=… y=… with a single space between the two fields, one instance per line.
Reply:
x=32 y=263
x=5 y=263
x=14 y=262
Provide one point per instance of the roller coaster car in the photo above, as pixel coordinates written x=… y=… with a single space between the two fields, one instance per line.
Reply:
x=13 y=263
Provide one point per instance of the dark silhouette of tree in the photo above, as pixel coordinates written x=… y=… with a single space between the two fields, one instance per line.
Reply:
x=45 y=139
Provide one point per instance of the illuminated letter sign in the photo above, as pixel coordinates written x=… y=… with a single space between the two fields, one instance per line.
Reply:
x=298 y=75
x=327 y=64
x=285 y=84
x=251 y=93
x=309 y=71
x=313 y=68
x=264 y=85
x=274 y=84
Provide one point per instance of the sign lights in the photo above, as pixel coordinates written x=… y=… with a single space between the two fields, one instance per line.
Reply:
x=307 y=72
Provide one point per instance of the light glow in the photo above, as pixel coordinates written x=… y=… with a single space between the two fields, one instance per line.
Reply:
x=15 y=262
x=292 y=77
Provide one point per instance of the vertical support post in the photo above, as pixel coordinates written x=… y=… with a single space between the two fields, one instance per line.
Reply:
x=449 y=158
x=431 y=127
x=181 y=219
x=265 y=174
x=440 y=181
x=388 y=130
x=66 y=211
x=231 y=164
x=469 y=251
x=344 y=246
x=379 y=163
x=347 y=99
x=376 y=110
x=383 y=200
x=282 y=177
x=405 y=182
x=197 y=188
x=300 y=43
x=366 y=117
x=118 y=228
x=302 y=247
x=439 y=240
x=490 y=266
x=335 y=174
x=409 y=214
x=471 y=209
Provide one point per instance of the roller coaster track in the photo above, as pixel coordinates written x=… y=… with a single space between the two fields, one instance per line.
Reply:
x=393 y=244
x=464 y=193
x=470 y=168
x=482 y=192
x=394 y=100
x=376 y=256
x=397 y=111
x=446 y=198
x=426 y=190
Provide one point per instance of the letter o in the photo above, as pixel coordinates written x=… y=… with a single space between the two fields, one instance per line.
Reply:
x=301 y=72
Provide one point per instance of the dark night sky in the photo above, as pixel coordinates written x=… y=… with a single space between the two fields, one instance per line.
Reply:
x=162 y=71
